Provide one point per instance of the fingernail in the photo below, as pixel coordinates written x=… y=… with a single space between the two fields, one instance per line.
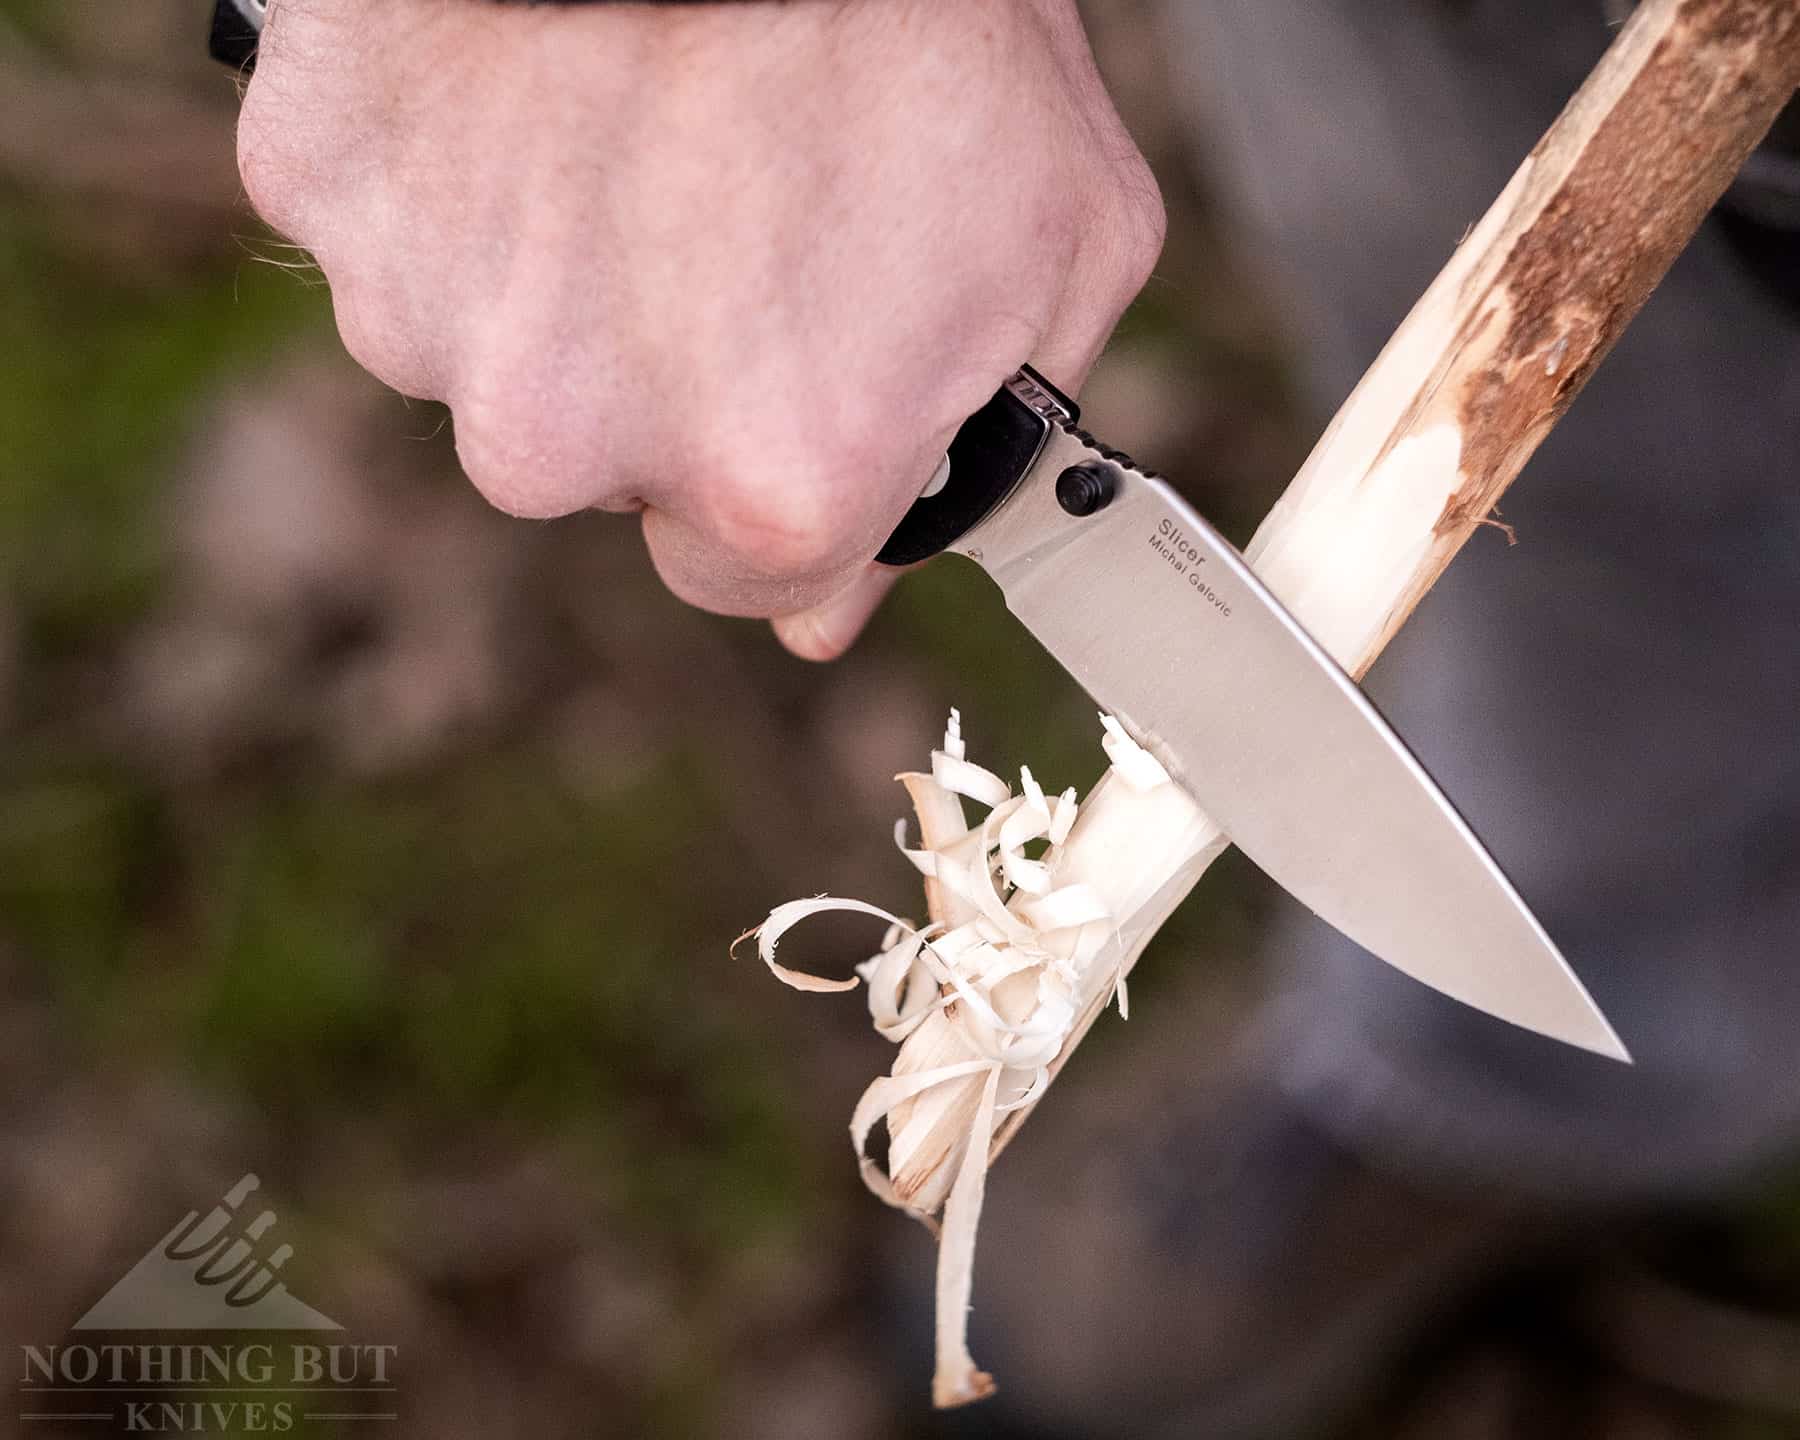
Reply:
x=826 y=631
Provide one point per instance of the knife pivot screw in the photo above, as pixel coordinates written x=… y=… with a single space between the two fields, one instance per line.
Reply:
x=1087 y=488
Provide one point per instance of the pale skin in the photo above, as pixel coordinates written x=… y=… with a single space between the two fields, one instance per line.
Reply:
x=740 y=269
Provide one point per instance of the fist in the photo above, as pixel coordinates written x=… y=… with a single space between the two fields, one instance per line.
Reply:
x=738 y=269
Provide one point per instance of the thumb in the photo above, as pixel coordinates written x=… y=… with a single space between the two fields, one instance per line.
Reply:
x=827 y=630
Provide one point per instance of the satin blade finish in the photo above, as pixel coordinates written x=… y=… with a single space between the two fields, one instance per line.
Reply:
x=1160 y=620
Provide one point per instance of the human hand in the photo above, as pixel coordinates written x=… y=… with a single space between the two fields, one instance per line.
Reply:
x=742 y=268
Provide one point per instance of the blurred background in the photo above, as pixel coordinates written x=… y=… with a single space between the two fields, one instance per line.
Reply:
x=358 y=836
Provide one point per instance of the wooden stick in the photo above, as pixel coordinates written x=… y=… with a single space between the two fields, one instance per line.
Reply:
x=1477 y=375
x=1530 y=304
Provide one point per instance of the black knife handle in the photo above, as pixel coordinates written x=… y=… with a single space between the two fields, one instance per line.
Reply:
x=236 y=27
x=990 y=455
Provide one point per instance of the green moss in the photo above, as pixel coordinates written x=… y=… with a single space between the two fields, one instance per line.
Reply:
x=73 y=842
x=485 y=943
x=101 y=377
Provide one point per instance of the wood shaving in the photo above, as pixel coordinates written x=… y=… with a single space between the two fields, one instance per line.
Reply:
x=1016 y=948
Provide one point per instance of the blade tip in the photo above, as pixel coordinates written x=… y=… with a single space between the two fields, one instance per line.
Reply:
x=1605 y=1044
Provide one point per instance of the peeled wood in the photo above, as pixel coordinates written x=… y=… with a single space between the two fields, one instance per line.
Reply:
x=1464 y=392
x=1016 y=945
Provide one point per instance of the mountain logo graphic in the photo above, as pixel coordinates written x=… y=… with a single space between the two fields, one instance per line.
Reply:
x=208 y=1274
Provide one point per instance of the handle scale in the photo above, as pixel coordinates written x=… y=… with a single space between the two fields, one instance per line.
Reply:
x=991 y=454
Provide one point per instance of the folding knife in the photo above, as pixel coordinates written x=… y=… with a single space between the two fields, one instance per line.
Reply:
x=1215 y=678
x=1155 y=614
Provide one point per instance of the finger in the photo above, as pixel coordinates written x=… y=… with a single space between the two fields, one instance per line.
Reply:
x=826 y=631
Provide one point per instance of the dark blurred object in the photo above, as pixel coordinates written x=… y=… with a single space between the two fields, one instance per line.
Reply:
x=1611 y=696
x=1760 y=214
x=236 y=27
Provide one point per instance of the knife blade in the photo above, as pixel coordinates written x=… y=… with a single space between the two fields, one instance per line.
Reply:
x=1160 y=620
